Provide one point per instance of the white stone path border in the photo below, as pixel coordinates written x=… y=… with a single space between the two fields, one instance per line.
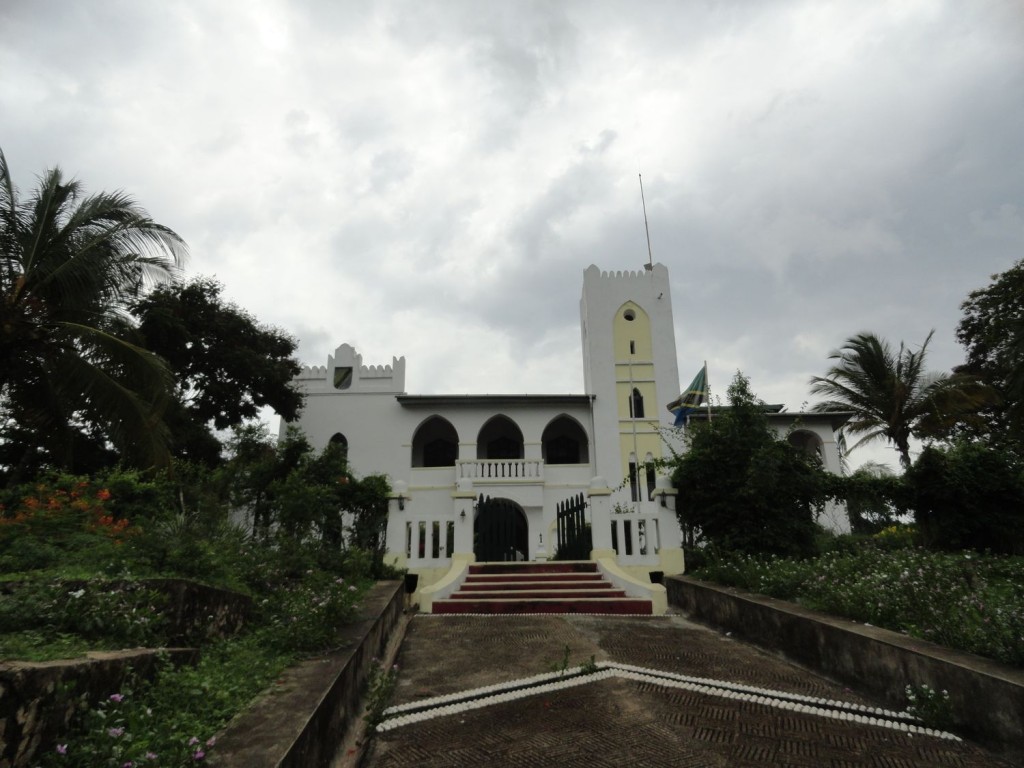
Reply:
x=479 y=698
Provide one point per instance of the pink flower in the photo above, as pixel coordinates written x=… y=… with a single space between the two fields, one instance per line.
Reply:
x=117 y=698
x=198 y=754
x=115 y=732
x=62 y=749
x=211 y=741
x=193 y=741
x=151 y=755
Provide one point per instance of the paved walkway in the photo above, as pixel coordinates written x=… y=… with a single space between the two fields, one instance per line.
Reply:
x=619 y=717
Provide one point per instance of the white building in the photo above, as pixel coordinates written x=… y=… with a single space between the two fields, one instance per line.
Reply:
x=450 y=457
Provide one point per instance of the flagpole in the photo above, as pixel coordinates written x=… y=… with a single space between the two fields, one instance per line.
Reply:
x=650 y=258
x=707 y=387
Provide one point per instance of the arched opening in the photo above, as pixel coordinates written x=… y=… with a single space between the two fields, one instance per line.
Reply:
x=564 y=441
x=435 y=444
x=634 y=485
x=500 y=531
x=808 y=442
x=340 y=442
x=636 y=404
x=499 y=438
x=652 y=479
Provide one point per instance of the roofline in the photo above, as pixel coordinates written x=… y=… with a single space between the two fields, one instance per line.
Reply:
x=836 y=418
x=433 y=401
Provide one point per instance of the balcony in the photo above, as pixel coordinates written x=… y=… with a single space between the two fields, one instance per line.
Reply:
x=505 y=471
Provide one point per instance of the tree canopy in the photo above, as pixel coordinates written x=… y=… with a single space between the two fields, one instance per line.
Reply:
x=968 y=495
x=744 y=488
x=891 y=393
x=226 y=365
x=105 y=355
x=992 y=332
x=71 y=373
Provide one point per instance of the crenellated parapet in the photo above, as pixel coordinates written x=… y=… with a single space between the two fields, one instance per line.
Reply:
x=345 y=372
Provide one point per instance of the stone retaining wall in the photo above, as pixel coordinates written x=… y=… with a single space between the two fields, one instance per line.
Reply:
x=987 y=698
x=39 y=699
x=301 y=722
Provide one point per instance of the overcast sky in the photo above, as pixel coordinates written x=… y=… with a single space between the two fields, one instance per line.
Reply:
x=430 y=179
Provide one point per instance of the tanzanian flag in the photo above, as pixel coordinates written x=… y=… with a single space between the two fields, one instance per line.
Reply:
x=691 y=398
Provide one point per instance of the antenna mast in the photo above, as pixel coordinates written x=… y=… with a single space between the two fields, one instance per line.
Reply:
x=649 y=266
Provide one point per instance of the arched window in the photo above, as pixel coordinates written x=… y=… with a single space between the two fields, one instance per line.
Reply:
x=636 y=404
x=499 y=438
x=651 y=478
x=435 y=444
x=340 y=441
x=808 y=442
x=564 y=442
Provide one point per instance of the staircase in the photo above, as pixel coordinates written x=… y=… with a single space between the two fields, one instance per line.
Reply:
x=551 y=587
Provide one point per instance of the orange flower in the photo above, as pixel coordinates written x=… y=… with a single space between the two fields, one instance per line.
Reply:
x=103 y=494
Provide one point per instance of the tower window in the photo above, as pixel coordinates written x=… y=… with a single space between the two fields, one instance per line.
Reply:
x=632 y=347
x=630 y=315
x=636 y=405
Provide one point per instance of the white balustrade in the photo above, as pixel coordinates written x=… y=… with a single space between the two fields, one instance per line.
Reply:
x=429 y=541
x=502 y=470
x=636 y=537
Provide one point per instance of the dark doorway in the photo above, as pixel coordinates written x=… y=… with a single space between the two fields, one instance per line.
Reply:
x=500 y=531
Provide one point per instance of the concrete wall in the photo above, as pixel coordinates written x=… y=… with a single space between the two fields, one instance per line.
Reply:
x=987 y=698
x=303 y=720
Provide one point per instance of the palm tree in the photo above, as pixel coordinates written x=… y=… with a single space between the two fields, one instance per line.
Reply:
x=70 y=265
x=891 y=394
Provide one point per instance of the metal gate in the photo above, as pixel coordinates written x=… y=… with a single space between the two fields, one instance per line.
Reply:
x=574 y=539
x=499 y=533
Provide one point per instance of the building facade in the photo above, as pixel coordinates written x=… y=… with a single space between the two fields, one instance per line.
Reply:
x=454 y=459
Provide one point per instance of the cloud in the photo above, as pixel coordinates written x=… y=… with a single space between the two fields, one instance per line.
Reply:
x=432 y=180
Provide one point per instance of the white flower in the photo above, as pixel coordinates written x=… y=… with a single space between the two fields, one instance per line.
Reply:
x=77 y=593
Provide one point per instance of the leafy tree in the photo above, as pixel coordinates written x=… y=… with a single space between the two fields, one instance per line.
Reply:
x=992 y=332
x=873 y=496
x=891 y=394
x=968 y=496
x=70 y=265
x=292 y=491
x=227 y=366
x=743 y=487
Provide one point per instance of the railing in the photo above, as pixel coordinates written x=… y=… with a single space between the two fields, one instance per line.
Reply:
x=429 y=542
x=501 y=470
x=636 y=537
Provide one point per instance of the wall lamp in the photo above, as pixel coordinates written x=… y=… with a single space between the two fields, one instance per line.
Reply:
x=462 y=515
x=401 y=502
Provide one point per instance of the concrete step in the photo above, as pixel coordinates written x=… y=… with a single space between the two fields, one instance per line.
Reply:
x=487 y=586
x=550 y=566
x=540 y=593
x=502 y=578
x=547 y=587
x=579 y=605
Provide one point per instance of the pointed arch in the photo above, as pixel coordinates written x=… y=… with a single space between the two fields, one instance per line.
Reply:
x=435 y=443
x=499 y=438
x=564 y=441
x=340 y=441
x=808 y=442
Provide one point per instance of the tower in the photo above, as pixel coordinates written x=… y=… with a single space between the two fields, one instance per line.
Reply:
x=629 y=365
